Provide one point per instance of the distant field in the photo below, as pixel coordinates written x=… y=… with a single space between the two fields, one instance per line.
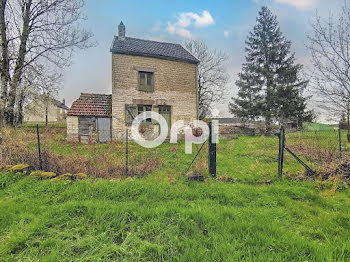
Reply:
x=317 y=127
x=44 y=125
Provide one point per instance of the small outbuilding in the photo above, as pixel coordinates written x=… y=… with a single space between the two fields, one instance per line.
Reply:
x=89 y=119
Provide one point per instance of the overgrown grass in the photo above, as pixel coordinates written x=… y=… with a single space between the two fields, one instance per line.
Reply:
x=144 y=220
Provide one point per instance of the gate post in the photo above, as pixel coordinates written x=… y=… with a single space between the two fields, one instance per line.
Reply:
x=282 y=144
x=126 y=153
x=212 y=152
x=340 y=143
x=39 y=147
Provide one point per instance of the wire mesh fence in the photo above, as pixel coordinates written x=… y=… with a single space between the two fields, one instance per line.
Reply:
x=245 y=154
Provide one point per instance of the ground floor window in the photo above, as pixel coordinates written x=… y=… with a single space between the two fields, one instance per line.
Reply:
x=145 y=109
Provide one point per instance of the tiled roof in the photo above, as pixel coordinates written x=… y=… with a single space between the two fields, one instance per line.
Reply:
x=92 y=105
x=140 y=47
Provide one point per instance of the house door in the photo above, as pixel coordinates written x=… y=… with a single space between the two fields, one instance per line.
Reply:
x=104 y=130
x=165 y=111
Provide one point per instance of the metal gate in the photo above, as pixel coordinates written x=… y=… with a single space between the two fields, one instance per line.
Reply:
x=104 y=130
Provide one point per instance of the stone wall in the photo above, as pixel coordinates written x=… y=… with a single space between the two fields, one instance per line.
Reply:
x=174 y=85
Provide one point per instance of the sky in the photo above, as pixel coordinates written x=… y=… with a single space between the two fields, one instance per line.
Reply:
x=222 y=25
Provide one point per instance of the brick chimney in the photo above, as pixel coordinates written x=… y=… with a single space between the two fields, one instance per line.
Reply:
x=121 y=30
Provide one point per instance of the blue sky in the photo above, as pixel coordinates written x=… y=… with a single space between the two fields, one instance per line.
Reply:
x=223 y=25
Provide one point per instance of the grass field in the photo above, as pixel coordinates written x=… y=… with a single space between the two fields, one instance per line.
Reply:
x=147 y=220
x=164 y=217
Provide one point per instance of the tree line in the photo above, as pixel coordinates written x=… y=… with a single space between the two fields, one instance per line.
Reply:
x=37 y=38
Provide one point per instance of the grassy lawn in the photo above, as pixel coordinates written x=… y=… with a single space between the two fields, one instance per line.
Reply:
x=148 y=220
x=164 y=217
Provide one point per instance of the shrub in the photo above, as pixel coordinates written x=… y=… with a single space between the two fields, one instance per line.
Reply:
x=42 y=174
x=69 y=176
x=19 y=168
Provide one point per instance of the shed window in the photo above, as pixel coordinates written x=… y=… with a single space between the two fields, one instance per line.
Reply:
x=146 y=81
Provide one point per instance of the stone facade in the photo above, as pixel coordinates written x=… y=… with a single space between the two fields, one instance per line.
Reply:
x=175 y=85
x=35 y=112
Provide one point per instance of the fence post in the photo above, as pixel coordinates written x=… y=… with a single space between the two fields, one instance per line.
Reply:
x=39 y=147
x=282 y=142
x=126 y=152
x=212 y=152
x=340 y=144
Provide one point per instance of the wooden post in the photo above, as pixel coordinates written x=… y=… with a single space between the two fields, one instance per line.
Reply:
x=212 y=152
x=126 y=152
x=39 y=147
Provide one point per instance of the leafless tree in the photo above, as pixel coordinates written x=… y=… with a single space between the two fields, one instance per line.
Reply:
x=329 y=44
x=36 y=31
x=212 y=75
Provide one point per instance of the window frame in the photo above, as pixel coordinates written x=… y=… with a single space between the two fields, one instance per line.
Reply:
x=145 y=87
x=147 y=121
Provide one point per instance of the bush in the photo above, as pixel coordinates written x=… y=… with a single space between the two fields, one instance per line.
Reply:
x=43 y=175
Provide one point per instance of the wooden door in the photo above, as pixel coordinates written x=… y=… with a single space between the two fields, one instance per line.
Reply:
x=165 y=111
x=104 y=130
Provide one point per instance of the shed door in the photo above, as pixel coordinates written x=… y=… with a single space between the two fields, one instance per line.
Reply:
x=165 y=111
x=104 y=130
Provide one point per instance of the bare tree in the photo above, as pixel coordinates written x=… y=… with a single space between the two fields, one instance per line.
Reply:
x=212 y=75
x=329 y=44
x=36 y=31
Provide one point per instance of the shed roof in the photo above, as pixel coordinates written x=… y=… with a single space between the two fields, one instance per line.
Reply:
x=98 y=105
x=148 y=48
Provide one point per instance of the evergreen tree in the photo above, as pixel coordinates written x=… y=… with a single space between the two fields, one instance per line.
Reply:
x=270 y=86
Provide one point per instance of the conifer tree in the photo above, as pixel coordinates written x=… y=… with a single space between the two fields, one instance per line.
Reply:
x=270 y=86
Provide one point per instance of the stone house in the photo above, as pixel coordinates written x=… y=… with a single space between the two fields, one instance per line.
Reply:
x=42 y=108
x=147 y=76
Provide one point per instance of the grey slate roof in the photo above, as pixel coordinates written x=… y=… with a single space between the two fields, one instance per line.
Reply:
x=148 y=48
x=59 y=104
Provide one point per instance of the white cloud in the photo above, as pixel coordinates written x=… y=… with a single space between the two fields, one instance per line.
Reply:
x=226 y=33
x=175 y=29
x=301 y=4
x=186 y=19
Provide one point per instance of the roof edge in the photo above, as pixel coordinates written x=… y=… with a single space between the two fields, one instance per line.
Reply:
x=195 y=62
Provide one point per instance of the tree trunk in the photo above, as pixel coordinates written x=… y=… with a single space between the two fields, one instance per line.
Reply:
x=4 y=70
x=19 y=64
x=348 y=121
x=20 y=109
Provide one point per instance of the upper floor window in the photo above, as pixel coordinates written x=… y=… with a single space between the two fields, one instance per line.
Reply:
x=146 y=81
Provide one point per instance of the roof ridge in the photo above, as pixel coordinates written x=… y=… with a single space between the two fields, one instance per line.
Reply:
x=154 y=41
x=152 y=48
x=96 y=94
